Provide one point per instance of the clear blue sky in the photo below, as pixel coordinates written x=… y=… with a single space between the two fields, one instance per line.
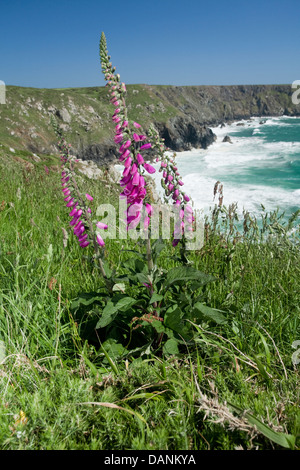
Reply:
x=51 y=44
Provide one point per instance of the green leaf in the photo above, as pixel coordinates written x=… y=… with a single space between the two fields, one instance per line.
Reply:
x=125 y=303
x=280 y=438
x=119 y=287
x=108 y=315
x=107 y=269
x=86 y=299
x=156 y=298
x=261 y=368
x=171 y=347
x=187 y=273
x=143 y=278
x=111 y=310
x=264 y=342
x=211 y=313
x=173 y=318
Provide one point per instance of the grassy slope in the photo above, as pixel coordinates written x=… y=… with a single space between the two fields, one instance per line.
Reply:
x=49 y=377
x=85 y=112
x=25 y=118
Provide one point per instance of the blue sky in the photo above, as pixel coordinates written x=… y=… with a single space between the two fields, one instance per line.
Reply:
x=55 y=44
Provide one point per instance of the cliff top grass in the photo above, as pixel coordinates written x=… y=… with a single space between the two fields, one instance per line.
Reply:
x=236 y=387
x=84 y=113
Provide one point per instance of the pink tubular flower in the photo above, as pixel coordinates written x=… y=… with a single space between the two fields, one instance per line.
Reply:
x=79 y=231
x=101 y=225
x=90 y=198
x=73 y=212
x=118 y=138
x=100 y=240
x=136 y=125
x=140 y=159
x=149 y=209
x=126 y=171
x=149 y=168
x=136 y=179
x=82 y=238
x=145 y=146
x=134 y=169
x=127 y=162
x=71 y=202
x=74 y=221
x=127 y=144
x=124 y=155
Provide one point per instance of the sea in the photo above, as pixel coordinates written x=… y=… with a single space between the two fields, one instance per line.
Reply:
x=261 y=166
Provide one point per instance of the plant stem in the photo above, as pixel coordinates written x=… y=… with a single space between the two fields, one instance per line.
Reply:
x=149 y=254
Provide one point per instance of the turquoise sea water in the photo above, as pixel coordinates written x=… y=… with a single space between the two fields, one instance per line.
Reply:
x=261 y=166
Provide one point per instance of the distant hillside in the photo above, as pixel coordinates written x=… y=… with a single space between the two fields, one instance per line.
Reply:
x=182 y=115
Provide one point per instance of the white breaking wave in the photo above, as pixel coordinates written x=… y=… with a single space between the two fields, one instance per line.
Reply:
x=247 y=196
x=224 y=162
x=232 y=163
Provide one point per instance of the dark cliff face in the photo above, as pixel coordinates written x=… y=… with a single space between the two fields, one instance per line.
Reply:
x=104 y=153
x=184 y=133
x=199 y=107
x=212 y=105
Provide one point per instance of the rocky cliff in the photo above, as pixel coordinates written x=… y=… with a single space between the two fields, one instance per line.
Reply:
x=183 y=115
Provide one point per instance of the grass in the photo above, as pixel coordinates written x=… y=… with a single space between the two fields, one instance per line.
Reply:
x=235 y=387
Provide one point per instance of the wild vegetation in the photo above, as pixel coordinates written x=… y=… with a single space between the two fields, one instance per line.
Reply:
x=141 y=344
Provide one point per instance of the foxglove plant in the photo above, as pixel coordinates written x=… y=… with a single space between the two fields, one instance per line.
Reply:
x=132 y=145
x=131 y=148
x=172 y=184
x=76 y=202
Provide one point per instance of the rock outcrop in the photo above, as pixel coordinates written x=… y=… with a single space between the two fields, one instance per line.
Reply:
x=183 y=115
x=227 y=139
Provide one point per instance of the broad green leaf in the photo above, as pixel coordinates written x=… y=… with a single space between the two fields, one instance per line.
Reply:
x=156 y=298
x=119 y=287
x=159 y=327
x=111 y=310
x=171 y=347
x=173 y=318
x=108 y=315
x=187 y=273
x=107 y=269
x=86 y=299
x=208 y=312
x=125 y=303
x=143 y=278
